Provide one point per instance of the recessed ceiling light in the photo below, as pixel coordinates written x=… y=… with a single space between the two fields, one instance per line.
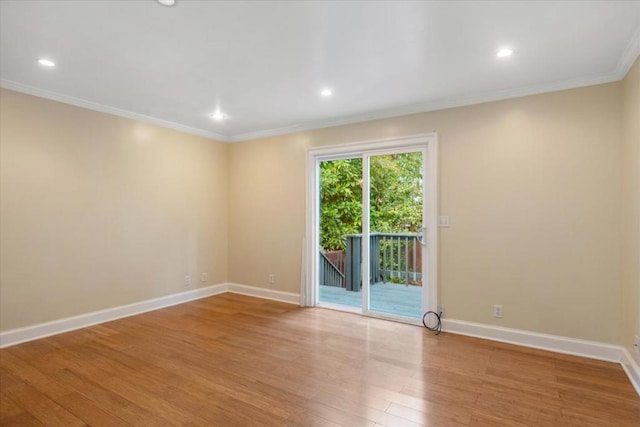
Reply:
x=326 y=92
x=503 y=53
x=167 y=2
x=218 y=115
x=46 y=62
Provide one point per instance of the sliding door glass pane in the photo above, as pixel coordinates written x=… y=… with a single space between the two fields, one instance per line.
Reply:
x=395 y=218
x=340 y=252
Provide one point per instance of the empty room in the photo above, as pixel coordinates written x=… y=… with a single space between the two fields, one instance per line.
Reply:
x=319 y=213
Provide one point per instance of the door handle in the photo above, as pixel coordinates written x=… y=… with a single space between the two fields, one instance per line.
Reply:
x=421 y=237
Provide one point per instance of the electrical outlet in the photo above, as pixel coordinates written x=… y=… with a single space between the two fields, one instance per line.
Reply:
x=636 y=343
x=187 y=281
x=441 y=311
x=272 y=278
x=204 y=277
x=443 y=221
x=497 y=311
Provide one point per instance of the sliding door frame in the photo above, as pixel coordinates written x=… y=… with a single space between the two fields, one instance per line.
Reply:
x=309 y=275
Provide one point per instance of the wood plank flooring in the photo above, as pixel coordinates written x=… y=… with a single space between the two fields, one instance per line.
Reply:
x=232 y=360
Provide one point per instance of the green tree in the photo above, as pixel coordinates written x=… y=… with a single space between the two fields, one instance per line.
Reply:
x=395 y=197
x=340 y=201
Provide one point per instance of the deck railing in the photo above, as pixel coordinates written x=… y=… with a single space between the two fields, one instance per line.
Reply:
x=395 y=257
x=330 y=274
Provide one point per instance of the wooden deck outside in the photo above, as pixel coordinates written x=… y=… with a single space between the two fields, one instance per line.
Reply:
x=388 y=298
x=232 y=360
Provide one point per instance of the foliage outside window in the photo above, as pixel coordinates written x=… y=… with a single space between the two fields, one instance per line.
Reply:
x=395 y=197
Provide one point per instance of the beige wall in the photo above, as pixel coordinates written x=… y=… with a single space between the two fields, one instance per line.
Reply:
x=631 y=205
x=532 y=187
x=99 y=211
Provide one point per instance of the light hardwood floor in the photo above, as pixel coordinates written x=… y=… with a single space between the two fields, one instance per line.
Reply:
x=232 y=360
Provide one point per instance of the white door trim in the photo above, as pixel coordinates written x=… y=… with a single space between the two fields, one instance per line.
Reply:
x=308 y=289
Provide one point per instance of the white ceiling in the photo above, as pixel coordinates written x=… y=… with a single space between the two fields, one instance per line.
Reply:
x=264 y=63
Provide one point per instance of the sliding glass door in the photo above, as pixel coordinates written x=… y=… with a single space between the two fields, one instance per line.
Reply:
x=371 y=232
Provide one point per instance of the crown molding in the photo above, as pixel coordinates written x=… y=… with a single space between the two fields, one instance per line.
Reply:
x=78 y=102
x=435 y=105
x=627 y=59
x=629 y=55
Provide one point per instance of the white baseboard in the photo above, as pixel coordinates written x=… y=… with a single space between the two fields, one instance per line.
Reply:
x=632 y=369
x=558 y=344
x=29 y=333
x=271 y=294
x=42 y=330
x=555 y=343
